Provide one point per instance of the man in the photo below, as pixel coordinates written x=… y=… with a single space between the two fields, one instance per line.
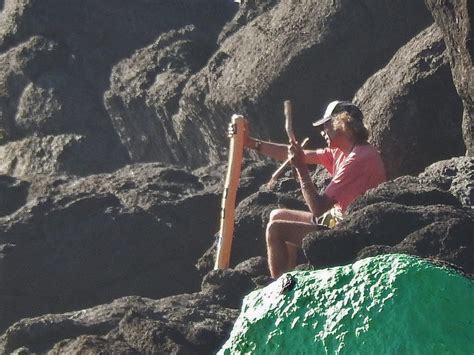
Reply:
x=355 y=167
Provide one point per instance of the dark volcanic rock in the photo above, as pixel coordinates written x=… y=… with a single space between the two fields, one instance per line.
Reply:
x=80 y=242
x=455 y=18
x=38 y=97
x=455 y=176
x=411 y=107
x=185 y=324
x=145 y=91
x=58 y=58
x=19 y=66
x=13 y=194
x=71 y=242
x=407 y=215
x=225 y=283
x=60 y=154
x=79 y=250
x=289 y=50
x=98 y=34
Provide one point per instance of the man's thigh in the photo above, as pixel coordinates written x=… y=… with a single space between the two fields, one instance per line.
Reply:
x=293 y=215
x=293 y=232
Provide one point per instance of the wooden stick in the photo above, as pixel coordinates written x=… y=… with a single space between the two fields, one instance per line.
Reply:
x=226 y=231
x=289 y=120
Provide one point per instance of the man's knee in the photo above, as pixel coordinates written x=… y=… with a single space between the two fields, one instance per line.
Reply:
x=277 y=214
x=272 y=233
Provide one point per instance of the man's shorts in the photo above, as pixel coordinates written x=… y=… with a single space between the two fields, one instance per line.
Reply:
x=329 y=218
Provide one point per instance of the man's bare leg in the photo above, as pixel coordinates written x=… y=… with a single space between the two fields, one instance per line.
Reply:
x=291 y=215
x=286 y=230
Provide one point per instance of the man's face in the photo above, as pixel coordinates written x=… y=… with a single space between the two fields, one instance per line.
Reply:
x=329 y=134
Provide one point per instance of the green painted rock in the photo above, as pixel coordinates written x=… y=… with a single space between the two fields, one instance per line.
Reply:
x=391 y=304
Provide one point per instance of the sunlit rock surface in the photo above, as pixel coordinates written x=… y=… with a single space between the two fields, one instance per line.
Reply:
x=391 y=304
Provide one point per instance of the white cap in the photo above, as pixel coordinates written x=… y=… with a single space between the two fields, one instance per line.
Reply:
x=339 y=106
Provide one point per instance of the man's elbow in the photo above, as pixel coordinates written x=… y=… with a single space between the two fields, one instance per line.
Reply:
x=325 y=203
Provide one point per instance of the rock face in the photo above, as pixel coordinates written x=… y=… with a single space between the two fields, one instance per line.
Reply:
x=411 y=107
x=417 y=216
x=143 y=227
x=356 y=308
x=195 y=323
x=70 y=154
x=145 y=91
x=56 y=63
x=251 y=74
x=190 y=324
x=455 y=18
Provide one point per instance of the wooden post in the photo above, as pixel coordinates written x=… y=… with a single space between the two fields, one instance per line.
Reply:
x=226 y=231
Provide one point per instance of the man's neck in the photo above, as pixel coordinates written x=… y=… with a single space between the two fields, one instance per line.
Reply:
x=346 y=146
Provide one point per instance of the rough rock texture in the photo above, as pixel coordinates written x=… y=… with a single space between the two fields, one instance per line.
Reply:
x=411 y=107
x=143 y=226
x=289 y=50
x=13 y=194
x=57 y=61
x=98 y=34
x=408 y=215
x=184 y=324
x=21 y=65
x=145 y=91
x=455 y=18
x=39 y=98
x=357 y=308
x=70 y=154
x=455 y=176
x=54 y=246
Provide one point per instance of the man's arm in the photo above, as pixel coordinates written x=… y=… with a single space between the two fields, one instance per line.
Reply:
x=273 y=150
x=317 y=203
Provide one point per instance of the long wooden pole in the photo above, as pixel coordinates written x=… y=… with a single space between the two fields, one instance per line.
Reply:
x=226 y=231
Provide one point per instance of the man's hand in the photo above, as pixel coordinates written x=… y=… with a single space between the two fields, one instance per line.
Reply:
x=248 y=141
x=296 y=155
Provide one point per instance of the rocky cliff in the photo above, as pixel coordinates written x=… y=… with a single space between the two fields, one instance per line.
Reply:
x=113 y=143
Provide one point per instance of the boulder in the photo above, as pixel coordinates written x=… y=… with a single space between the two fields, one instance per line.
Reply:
x=257 y=66
x=143 y=226
x=99 y=34
x=13 y=194
x=455 y=176
x=190 y=324
x=38 y=99
x=71 y=154
x=20 y=66
x=411 y=106
x=368 y=307
x=407 y=214
x=75 y=251
x=57 y=62
x=68 y=243
x=455 y=18
x=145 y=90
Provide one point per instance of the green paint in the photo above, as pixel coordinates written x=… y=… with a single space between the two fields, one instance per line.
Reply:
x=391 y=304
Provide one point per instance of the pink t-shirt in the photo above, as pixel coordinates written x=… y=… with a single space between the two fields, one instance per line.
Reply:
x=352 y=175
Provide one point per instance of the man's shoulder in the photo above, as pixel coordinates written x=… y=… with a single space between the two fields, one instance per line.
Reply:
x=366 y=151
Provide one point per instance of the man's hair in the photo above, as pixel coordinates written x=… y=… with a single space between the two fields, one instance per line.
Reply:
x=351 y=126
